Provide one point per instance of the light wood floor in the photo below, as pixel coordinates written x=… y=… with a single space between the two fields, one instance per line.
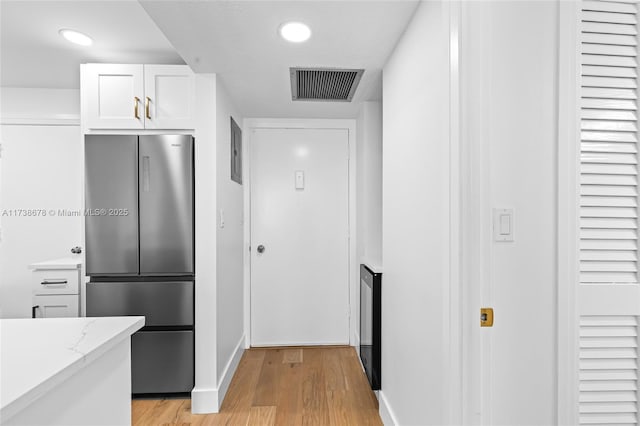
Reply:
x=284 y=386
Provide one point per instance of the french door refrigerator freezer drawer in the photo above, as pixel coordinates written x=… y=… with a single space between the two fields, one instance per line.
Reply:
x=162 y=303
x=162 y=362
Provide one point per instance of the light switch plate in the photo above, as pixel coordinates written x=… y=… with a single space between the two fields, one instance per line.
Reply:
x=503 y=224
x=221 y=223
x=299 y=179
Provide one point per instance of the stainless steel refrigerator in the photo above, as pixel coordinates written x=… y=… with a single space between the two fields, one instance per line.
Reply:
x=139 y=233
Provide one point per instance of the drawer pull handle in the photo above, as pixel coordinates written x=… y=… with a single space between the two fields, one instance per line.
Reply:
x=50 y=282
x=33 y=311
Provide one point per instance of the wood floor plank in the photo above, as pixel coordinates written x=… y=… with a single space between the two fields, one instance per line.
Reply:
x=333 y=374
x=289 y=411
x=237 y=403
x=370 y=417
x=244 y=382
x=183 y=412
x=320 y=386
x=292 y=356
x=266 y=393
x=314 y=402
x=164 y=411
x=141 y=406
x=262 y=416
x=361 y=394
x=340 y=412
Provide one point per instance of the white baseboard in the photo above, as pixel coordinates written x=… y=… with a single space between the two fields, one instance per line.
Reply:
x=386 y=413
x=225 y=379
x=209 y=400
x=204 y=401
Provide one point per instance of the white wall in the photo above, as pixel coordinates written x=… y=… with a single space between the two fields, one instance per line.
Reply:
x=369 y=184
x=415 y=237
x=205 y=394
x=230 y=243
x=39 y=105
x=508 y=81
x=219 y=253
x=41 y=168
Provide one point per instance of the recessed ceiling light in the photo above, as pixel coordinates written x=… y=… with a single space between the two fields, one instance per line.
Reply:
x=76 y=37
x=295 y=32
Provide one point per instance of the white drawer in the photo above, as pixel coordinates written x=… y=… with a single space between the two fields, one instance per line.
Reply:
x=56 y=306
x=56 y=281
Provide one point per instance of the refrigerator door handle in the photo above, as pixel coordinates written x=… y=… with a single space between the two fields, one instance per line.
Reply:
x=146 y=174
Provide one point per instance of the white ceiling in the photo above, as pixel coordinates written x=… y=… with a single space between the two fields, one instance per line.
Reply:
x=237 y=39
x=32 y=54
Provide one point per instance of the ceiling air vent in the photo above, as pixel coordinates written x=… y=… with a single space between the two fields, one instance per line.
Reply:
x=324 y=84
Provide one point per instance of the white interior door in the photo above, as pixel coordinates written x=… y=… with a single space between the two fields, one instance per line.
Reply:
x=41 y=206
x=300 y=216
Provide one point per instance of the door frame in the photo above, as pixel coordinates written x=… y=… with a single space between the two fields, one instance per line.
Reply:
x=568 y=197
x=250 y=124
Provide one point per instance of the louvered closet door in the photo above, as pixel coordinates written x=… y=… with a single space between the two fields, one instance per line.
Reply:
x=609 y=296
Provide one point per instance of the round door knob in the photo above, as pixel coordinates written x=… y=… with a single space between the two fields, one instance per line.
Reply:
x=76 y=250
x=260 y=248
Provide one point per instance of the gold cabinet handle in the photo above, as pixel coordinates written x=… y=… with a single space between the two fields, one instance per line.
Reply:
x=135 y=107
x=147 y=113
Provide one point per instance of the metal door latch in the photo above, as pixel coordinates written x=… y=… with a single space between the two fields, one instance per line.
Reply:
x=486 y=317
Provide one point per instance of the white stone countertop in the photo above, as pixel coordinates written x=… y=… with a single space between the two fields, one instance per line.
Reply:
x=63 y=263
x=38 y=354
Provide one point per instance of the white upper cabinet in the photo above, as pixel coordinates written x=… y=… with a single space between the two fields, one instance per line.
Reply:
x=114 y=96
x=138 y=96
x=169 y=97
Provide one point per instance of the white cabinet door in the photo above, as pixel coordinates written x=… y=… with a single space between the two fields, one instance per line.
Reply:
x=114 y=96
x=169 y=97
x=56 y=306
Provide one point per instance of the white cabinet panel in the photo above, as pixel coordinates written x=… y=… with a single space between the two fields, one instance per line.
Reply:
x=114 y=96
x=169 y=97
x=56 y=306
